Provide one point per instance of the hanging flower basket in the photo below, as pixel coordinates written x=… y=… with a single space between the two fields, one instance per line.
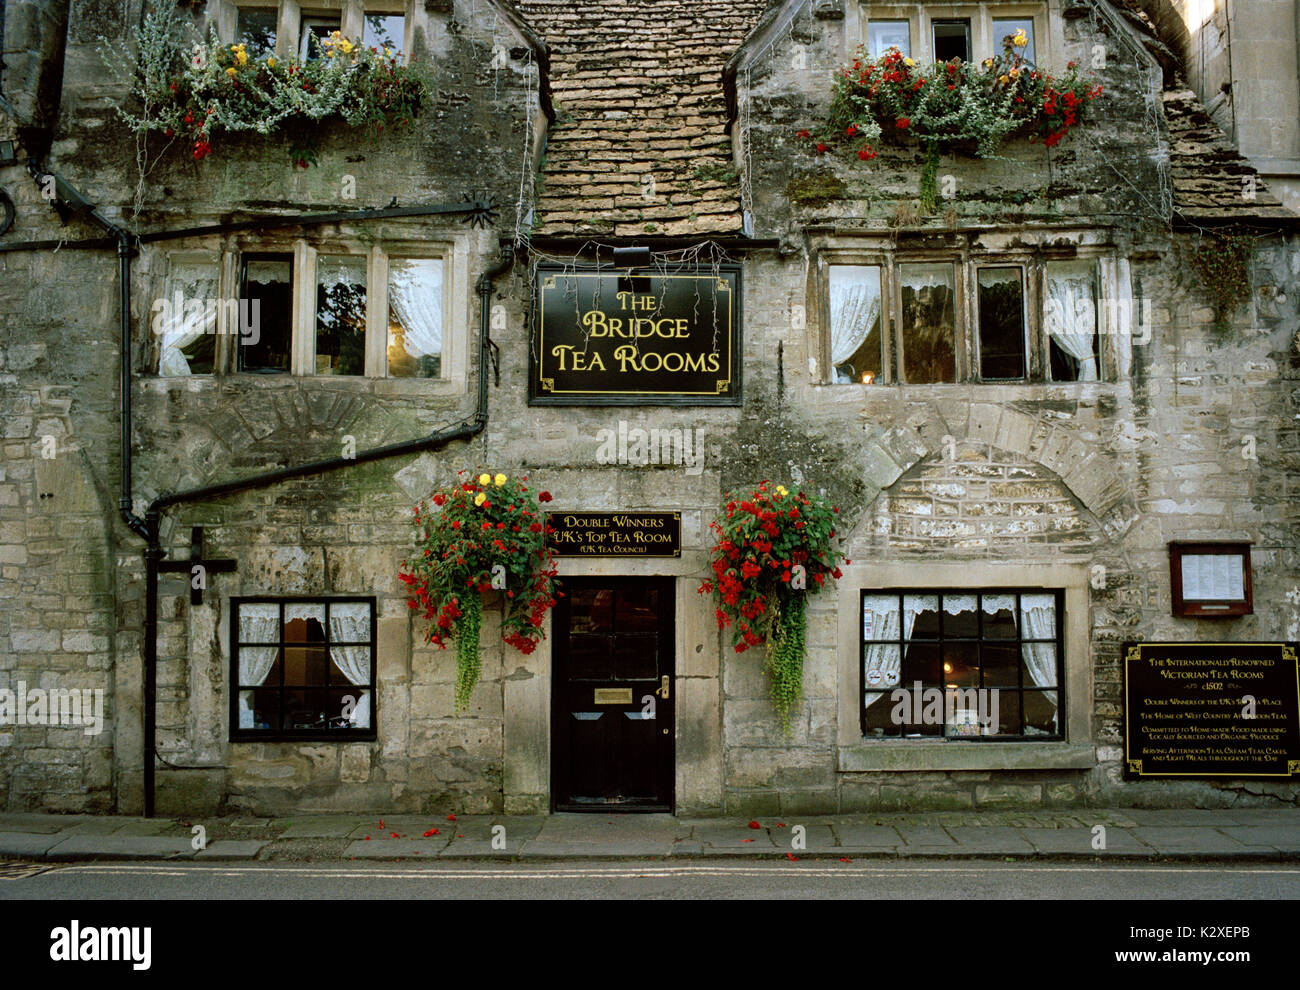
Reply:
x=773 y=549
x=484 y=534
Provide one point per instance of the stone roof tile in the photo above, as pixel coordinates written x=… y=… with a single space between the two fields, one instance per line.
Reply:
x=638 y=91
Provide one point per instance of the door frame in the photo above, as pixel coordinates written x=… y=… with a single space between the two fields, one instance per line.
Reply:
x=668 y=644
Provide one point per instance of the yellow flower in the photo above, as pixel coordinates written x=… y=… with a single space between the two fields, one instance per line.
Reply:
x=347 y=47
x=388 y=53
x=231 y=71
x=780 y=489
x=241 y=58
x=1004 y=79
x=1021 y=39
x=270 y=62
x=909 y=62
x=480 y=498
x=1014 y=73
x=500 y=479
x=485 y=479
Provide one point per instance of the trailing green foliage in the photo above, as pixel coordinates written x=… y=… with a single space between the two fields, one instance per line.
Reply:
x=1222 y=264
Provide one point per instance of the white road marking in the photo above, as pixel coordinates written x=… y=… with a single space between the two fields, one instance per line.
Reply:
x=626 y=873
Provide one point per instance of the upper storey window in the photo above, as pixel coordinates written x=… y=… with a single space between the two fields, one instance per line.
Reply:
x=377 y=313
x=284 y=28
x=897 y=320
x=939 y=33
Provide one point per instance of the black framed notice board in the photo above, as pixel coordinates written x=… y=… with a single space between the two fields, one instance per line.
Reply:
x=1211 y=710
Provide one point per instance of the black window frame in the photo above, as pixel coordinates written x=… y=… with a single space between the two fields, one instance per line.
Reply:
x=964 y=22
x=977 y=326
x=237 y=365
x=238 y=734
x=1019 y=690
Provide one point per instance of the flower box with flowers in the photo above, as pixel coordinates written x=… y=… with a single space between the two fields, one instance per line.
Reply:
x=481 y=535
x=773 y=549
x=952 y=106
x=194 y=91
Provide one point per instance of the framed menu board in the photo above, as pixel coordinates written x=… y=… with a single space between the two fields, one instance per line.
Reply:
x=1210 y=580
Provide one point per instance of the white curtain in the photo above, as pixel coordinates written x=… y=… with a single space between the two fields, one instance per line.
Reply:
x=1072 y=317
x=886 y=622
x=855 y=308
x=415 y=299
x=348 y=624
x=191 y=311
x=1038 y=621
x=257 y=624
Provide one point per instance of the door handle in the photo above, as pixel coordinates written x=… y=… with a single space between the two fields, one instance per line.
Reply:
x=663 y=687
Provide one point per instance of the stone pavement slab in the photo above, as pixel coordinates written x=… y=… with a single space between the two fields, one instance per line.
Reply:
x=28 y=844
x=868 y=836
x=998 y=839
x=1276 y=837
x=572 y=836
x=333 y=827
x=33 y=822
x=1078 y=842
x=120 y=847
x=1198 y=841
x=737 y=838
x=396 y=849
x=232 y=849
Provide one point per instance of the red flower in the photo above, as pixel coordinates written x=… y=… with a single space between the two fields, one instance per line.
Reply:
x=866 y=154
x=544 y=496
x=903 y=123
x=755 y=825
x=851 y=130
x=432 y=831
x=821 y=149
x=802 y=134
x=451 y=818
x=440 y=499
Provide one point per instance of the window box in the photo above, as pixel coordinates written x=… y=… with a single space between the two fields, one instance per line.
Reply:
x=936 y=32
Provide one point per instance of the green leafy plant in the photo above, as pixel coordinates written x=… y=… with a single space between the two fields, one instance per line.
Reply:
x=485 y=533
x=199 y=89
x=773 y=548
x=1222 y=264
x=950 y=106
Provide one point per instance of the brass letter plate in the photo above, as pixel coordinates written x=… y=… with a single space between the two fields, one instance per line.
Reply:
x=613 y=696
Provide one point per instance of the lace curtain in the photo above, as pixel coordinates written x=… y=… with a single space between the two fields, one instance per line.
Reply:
x=415 y=299
x=257 y=624
x=195 y=284
x=1038 y=621
x=855 y=308
x=1072 y=315
x=350 y=623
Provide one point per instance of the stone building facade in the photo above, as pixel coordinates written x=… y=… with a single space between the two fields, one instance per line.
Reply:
x=563 y=132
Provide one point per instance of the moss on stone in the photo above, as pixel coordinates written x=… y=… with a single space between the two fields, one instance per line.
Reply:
x=814 y=190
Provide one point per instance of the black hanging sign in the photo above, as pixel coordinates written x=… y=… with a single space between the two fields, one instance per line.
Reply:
x=636 y=337
x=615 y=534
x=1211 y=710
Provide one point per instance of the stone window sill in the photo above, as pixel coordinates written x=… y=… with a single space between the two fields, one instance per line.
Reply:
x=904 y=755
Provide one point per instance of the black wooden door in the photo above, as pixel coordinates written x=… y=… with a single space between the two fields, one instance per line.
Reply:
x=612 y=695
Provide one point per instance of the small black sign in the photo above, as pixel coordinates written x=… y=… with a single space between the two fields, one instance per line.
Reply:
x=636 y=337
x=1211 y=710
x=615 y=534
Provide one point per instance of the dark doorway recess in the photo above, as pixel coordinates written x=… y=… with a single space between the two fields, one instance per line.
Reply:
x=612 y=695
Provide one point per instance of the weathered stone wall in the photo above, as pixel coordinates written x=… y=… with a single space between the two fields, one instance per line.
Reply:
x=71 y=575
x=1108 y=169
x=1012 y=477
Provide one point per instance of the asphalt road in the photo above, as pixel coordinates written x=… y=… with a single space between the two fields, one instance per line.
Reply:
x=653 y=880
